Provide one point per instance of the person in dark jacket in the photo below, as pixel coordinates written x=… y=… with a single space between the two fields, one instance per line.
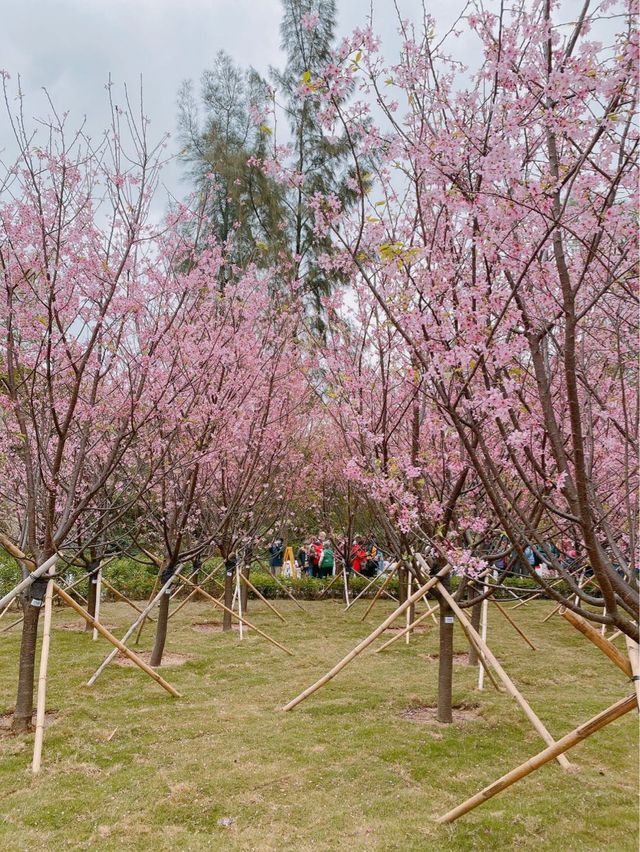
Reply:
x=276 y=555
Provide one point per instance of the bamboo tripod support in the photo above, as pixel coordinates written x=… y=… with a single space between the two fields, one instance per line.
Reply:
x=515 y=626
x=121 y=597
x=598 y=640
x=250 y=585
x=401 y=633
x=235 y=615
x=504 y=677
x=379 y=592
x=367 y=641
x=118 y=644
x=392 y=568
x=139 y=620
x=195 y=592
x=553 y=751
x=286 y=590
x=633 y=650
x=41 y=701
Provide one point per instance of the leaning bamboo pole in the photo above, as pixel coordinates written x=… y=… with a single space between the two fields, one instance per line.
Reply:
x=121 y=596
x=515 y=626
x=250 y=585
x=285 y=589
x=41 y=701
x=368 y=586
x=401 y=633
x=140 y=619
x=239 y=596
x=118 y=644
x=633 y=650
x=368 y=640
x=553 y=751
x=379 y=592
x=504 y=677
x=244 y=621
x=598 y=640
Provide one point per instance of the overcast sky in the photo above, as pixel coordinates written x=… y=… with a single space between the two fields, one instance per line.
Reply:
x=72 y=46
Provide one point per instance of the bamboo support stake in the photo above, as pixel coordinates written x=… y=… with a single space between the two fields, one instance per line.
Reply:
x=360 y=647
x=41 y=702
x=518 y=630
x=504 y=677
x=634 y=659
x=121 y=596
x=286 y=591
x=615 y=635
x=145 y=612
x=141 y=621
x=196 y=591
x=250 y=585
x=239 y=596
x=333 y=580
x=367 y=587
x=484 y=617
x=98 y=595
x=379 y=592
x=118 y=644
x=407 y=632
x=248 y=624
x=345 y=582
x=598 y=640
x=554 y=751
x=401 y=633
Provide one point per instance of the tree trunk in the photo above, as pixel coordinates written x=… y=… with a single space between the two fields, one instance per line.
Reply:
x=24 y=700
x=476 y=611
x=91 y=599
x=402 y=584
x=244 y=589
x=161 y=629
x=229 y=576
x=445 y=660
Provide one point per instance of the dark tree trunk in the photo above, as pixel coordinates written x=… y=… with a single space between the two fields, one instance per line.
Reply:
x=161 y=629
x=445 y=660
x=244 y=589
x=91 y=599
x=402 y=584
x=229 y=576
x=476 y=611
x=24 y=700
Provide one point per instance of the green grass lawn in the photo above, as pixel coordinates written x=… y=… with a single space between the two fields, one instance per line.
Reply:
x=224 y=768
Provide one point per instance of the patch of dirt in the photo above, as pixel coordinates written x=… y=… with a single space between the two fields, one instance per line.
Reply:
x=212 y=626
x=7 y=718
x=462 y=658
x=425 y=714
x=78 y=627
x=167 y=659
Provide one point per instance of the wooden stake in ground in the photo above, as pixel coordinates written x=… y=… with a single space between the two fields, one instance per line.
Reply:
x=598 y=640
x=379 y=592
x=239 y=596
x=633 y=650
x=248 y=624
x=483 y=635
x=407 y=632
x=366 y=642
x=140 y=619
x=504 y=677
x=250 y=585
x=42 y=679
x=518 y=630
x=401 y=633
x=120 y=596
x=98 y=596
x=118 y=644
x=554 y=751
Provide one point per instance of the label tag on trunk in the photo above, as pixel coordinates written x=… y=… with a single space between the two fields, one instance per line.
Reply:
x=448 y=619
x=36 y=602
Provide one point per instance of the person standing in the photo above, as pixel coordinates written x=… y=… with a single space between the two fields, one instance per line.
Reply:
x=301 y=559
x=276 y=555
x=326 y=560
x=358 y=554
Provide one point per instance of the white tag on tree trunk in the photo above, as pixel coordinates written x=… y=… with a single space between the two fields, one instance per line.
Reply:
x=35 y=602
x=448 y=619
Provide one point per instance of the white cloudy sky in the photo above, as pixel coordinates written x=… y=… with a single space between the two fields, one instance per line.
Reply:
x=72 y=46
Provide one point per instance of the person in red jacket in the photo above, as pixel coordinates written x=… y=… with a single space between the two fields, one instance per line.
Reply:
x=358 y=554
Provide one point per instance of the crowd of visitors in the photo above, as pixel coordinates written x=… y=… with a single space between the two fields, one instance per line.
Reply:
x=316 y=558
